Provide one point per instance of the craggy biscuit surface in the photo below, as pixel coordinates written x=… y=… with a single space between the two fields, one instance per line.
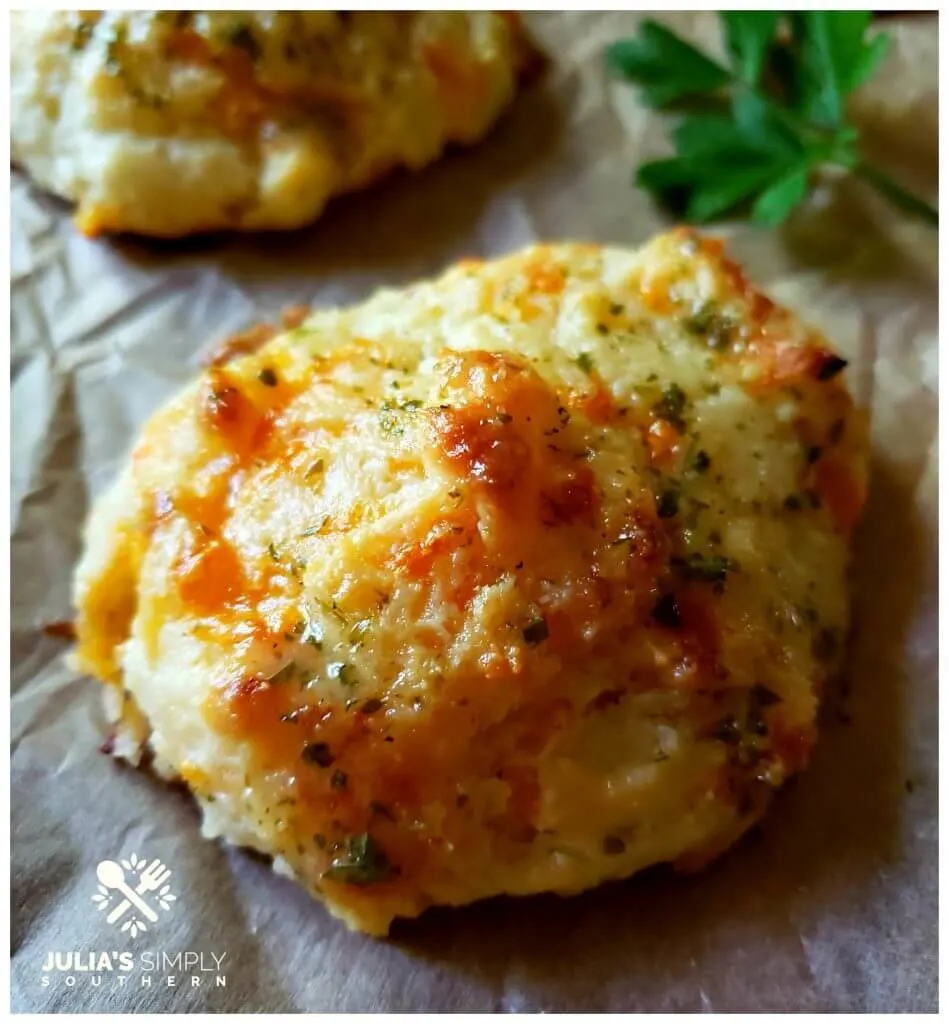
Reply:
x=169 y=123
x=516 y=580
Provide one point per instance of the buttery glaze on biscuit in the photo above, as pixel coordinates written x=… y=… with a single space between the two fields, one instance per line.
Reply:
x=169 y=123
x=517 y=580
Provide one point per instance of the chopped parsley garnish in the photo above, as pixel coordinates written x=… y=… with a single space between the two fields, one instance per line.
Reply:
x=389 y=422
x=82 y=35
x=702 y=461
x=727 y=730
x=667 y=504
x=379 y=808
x=704 y=568
x=342 y=671
x=267 y=377
x=715 y=329
x=318 y=753
x=316 y=529
x=666 y=611
x=585 y=362
x=313 y=469
x=362 y=863
x=274 y=553
x=243 y=38
x=671 y=406
x=536 y=631
x=119 y=37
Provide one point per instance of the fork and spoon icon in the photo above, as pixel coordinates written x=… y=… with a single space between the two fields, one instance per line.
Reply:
x=152 y=877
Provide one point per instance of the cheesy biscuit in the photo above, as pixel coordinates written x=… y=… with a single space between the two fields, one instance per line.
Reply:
x=169 y=123
x=516 y=580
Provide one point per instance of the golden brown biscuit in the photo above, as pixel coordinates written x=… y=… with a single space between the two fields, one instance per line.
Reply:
x=169 y=123
x=517 y=580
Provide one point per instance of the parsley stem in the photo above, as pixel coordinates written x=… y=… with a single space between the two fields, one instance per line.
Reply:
x=897 y=194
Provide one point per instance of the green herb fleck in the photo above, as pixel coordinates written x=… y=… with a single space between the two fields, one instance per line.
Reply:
x=272 y=549
x=713 y=328
x=267 y=377
x=362 y=863
x=536 y=631
x=113 y=63
x=389 y=422
x=701 y=462
x=316 y=529
x=727 y=731
x=671 y=406
x=242 y=36
x=343 y=672
x=379 y=808
x=704 y=568
x=667 y=504
x=313 y=469
x=666 y=612
x=318 y=753
x=82 y=35
x=585 y=362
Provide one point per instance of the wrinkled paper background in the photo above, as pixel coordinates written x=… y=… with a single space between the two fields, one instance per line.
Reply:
x=830 y=906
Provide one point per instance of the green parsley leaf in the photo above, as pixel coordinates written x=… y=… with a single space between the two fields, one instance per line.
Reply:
x=777 y=201
x=748 y=35
x=780 y=111
x=664 y=66
x=835 y=59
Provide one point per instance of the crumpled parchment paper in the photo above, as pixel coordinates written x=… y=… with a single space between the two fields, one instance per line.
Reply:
x=831 y=905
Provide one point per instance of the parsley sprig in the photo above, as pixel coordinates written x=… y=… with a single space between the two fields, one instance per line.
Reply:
x=755 y=133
